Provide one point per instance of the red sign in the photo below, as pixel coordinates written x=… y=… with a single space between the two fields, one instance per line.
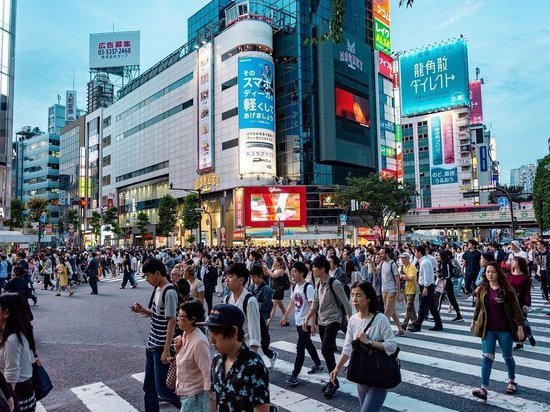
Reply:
x=395 y=73
x=400 y=165
x=264 y=206
x=385 y=65
x=239 y=235
x=352 y=107
x=110 y=203
x=387 y=173
x=476 y=108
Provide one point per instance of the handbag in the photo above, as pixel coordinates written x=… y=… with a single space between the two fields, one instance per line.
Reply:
x=372 y=367
x=171 y=375
x=41 y=382
x=440 y=285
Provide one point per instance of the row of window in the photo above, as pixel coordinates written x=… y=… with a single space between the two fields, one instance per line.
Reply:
x=245 y=48
x=154 y=120
x=156 y=96
x=41 y=179
x=32 y=169
x=140 y=172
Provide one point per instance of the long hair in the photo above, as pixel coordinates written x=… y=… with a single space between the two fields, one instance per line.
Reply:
x=522 y=265
x=370 y=293
x=17 y=321
x=502 y=280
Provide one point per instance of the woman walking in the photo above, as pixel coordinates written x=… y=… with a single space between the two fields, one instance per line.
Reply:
x=520 y=280
x=445 y=270
x=17 y=349
x=63 y=277
x=276 y=274
x=378 y=336
x=497 y=317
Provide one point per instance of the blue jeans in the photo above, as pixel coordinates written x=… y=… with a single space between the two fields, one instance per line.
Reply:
x=154 y=384
x=195 y=403
x=488 y=347
x=371 y=399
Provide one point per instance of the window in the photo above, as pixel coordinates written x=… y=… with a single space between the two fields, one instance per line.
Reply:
x=107 y=141
x=107 y=160
x=228 y=84
x=106 y=180
x=107 y=122
x=230 y=113
x=230 y=143
x=143 y=171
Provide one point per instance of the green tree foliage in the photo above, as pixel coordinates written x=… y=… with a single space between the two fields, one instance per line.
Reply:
x=95 y=224
x=379 y=199
x=17 y=215
x=167 y=215
x=73 y=217
x=142 y=222
x=541 y=193
x=35 y=207
x=110 y=219
x=190 y=215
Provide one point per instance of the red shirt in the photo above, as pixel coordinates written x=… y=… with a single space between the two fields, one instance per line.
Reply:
x=496 y=312
x=522 y=286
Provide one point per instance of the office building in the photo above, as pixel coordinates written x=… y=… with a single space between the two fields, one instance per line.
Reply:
x=524 y=176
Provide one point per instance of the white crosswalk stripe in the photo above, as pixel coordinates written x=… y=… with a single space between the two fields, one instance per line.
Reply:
x=100 y=398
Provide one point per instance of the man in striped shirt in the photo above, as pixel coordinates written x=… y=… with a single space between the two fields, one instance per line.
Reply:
x=162 y=310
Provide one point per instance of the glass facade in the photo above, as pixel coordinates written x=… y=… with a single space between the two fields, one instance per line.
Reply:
x=7 y=56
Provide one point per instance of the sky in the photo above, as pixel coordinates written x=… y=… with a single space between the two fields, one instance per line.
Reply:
x=509 y=40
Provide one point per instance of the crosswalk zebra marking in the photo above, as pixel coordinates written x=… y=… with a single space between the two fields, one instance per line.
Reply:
x=296 y=402
x=98 y=397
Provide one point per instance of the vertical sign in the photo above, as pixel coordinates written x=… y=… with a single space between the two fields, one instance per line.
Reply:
x=256 y=116
x=385 y=65
x=381 y=10
x=483 y=167
x=238 y=200
x=399 y=144
x=443 y=160
x=70 y=106
x=205 y=141
x=476 y=108
x=382 y=39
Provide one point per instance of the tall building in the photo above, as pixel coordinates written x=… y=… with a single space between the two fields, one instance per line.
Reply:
x=247 y=104
x=524 y=176
x=7 y=53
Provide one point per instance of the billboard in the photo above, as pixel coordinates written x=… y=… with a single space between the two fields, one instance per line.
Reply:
x=483 y=161
x=70 y=106
x=205 y=139
x=434 y=78
x=476 y=108
x=115 y=49
x=382 y=39
x=262 y=203
x=256 y=116
x=381 y=10
x=385 y=65
x=352 y=107
x=443 y=144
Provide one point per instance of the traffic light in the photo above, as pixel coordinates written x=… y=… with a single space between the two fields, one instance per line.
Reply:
x=83 y=203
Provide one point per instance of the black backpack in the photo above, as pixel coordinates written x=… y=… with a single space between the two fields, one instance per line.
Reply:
x=265 y=339
x=347 y=290
x=169 y=287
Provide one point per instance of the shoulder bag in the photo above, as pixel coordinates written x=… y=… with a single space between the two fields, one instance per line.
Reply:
x=172 y=374
x=41 y=382
x=372 y=367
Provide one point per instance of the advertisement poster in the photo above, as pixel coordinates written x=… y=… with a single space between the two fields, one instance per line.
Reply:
x=256 y=116
x=385 y=65
x=434 y=78
x=352 y=107
x=205 y=148
x=483 y=162
x=115 y=49
x=382 y=39
x=444 y=168
x=70 y=106
x=476 y=108
x=381 y=10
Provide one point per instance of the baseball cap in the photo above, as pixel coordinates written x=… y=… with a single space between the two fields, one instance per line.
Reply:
x=405 y=255
x=224 y=314
x=516 y=244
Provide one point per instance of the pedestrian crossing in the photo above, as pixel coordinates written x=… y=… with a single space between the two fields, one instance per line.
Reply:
x=439 y=371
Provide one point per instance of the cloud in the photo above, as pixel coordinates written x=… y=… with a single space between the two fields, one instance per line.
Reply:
x=466 y=10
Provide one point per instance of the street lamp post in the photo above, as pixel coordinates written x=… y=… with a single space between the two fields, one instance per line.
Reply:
x=279 y=213
x=199 y=193
x=398 y=229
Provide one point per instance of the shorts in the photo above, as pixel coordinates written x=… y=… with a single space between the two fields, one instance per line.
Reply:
x=278 y=294
x=390 y=300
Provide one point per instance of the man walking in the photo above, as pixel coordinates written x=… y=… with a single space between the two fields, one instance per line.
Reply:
x=92 y=271
x=391 y=286
x=162 y=311
x=472 y=259
x=329 y=298
x=208 y=274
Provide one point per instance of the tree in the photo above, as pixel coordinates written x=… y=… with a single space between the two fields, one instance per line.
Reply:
x=36 y=206
x=336 y=23
x=73 y=218
x=142 y=222
x=110 y=218
x=95 y=223
x=17 y=215
x=191 y=216
x=380 y=200
x=167 y=215
x=541 y=193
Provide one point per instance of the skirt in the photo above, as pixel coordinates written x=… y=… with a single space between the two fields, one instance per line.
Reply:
x=24 y=393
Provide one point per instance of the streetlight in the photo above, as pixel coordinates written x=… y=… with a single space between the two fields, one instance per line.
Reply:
x=199 y=193
x=398 y=229
x=279 y=213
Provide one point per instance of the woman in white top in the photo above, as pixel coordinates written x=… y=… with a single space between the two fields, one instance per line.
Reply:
x=379 y=336
x=17 y=349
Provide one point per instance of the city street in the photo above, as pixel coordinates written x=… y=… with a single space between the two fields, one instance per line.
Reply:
x=93 y=349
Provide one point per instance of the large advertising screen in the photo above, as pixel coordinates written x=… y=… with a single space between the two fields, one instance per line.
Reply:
x=115 y=49
x=256 y=116
x=443 y=144
x=205 y=139
x=476 y=107
x=352 y=107
x=264 y=206
x=434 y=78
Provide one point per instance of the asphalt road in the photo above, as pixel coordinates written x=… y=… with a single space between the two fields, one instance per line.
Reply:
x=95 y=343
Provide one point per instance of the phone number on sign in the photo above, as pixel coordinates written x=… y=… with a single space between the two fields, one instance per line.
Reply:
x=120 y=50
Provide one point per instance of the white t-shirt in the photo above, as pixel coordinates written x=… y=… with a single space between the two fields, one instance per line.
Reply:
x=302 y=301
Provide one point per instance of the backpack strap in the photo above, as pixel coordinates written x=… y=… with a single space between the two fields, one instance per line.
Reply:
x=340 y=306
x=166 y=289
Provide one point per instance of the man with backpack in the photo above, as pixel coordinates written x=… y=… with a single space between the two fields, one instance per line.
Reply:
x=301 y=299
x=255 y=329
x=329 y=298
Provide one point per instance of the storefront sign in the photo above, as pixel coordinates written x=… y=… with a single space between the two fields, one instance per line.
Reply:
x=206 y=181
x=238 y=201
x=326 y=200
x=348 y=56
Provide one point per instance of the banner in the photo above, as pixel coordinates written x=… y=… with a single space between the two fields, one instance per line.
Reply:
x=483 y=161
x=70 y=106
x=205 y=148
x=381 y=10
x=444 y=169
x=256 y=116
x=476 y=108
x=385 y=65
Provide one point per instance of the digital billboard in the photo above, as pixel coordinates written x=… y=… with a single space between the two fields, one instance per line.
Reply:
x=115 y=49
x=262 y=203
x=352 y=107
x=205 y=134
x=476 y=107
x=256 y=116
x=434 y=78
x=444 y=168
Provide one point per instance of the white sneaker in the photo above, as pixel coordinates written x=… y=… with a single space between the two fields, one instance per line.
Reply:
x=470 y=298
x=273 y=360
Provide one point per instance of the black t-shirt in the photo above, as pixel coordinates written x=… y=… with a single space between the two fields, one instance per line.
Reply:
x=472 y=262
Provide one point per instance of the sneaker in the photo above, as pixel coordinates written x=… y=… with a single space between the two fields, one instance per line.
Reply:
x=518 y=346
x=470 y=298
x=436 y=329
x=331 y=390
x=458 y=319
x=325 y=387
x=315 y=369
x=413 y=328
x=532 y=340
x=292 y=381
x=273 y=360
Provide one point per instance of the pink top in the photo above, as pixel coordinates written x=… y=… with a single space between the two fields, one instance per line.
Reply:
x=193 y=361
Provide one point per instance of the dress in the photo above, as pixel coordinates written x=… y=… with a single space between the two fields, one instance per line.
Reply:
x=63 y=276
